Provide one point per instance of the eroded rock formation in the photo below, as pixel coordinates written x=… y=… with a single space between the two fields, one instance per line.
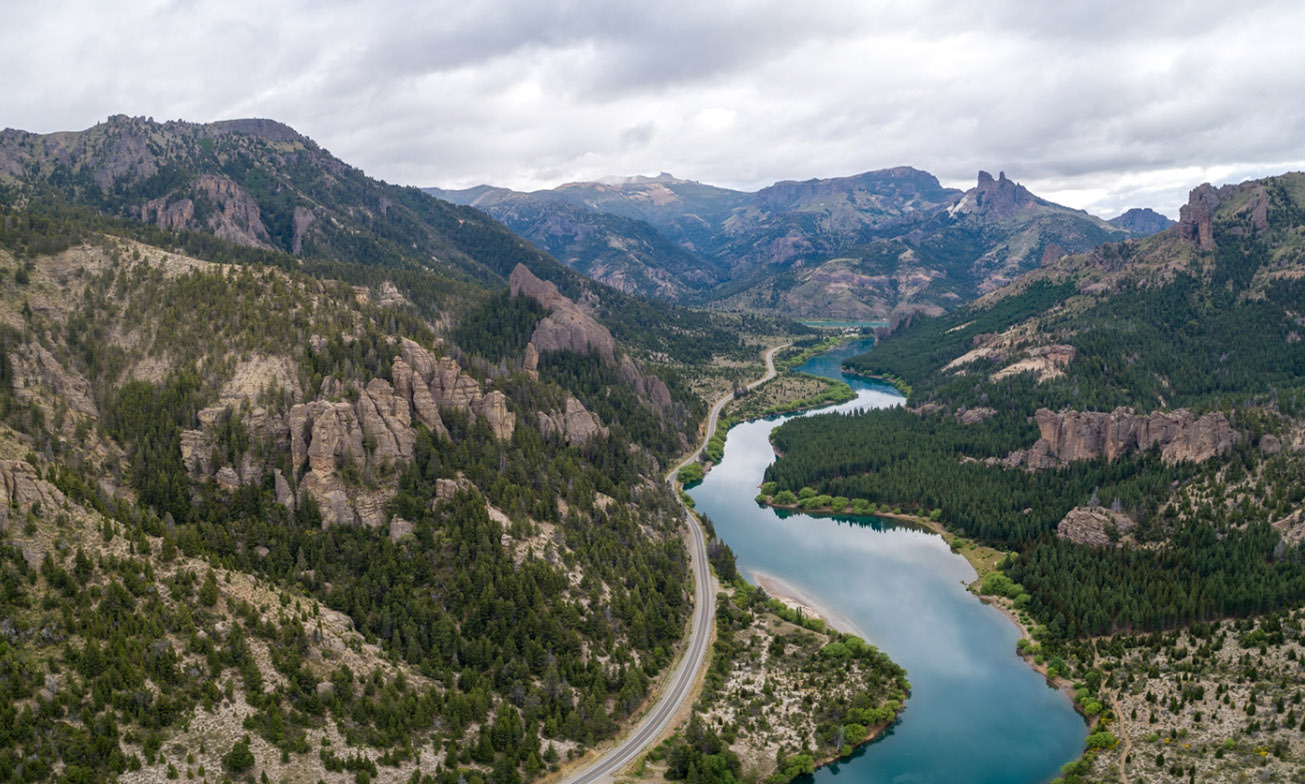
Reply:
x=568 y=328
x=1000 y=197
x=1084 y=435
x=331 y=440
x=1196 y=217
x=577 y=424
x=233 y=214
x=1092 y=525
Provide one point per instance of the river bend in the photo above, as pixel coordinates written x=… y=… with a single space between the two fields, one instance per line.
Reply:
x=977 y=713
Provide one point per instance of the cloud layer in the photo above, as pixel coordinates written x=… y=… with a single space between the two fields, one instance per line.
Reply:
x=1100 y=105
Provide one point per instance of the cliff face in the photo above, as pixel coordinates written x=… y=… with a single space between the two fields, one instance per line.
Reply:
x=576 y=424
x=1196 y=218
x=1085 y=435
x=568 y=328
x=327 y=439
x=219 y=206
x=999 y=198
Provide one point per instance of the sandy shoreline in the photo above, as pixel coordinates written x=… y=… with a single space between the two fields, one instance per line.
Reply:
x=796 y=599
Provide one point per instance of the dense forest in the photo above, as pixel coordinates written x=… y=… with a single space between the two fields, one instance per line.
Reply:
x=922 y=463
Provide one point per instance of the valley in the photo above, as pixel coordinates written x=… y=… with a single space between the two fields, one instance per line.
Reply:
x=306 y=476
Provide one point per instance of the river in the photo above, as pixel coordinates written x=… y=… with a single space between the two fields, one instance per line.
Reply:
x=977 y=713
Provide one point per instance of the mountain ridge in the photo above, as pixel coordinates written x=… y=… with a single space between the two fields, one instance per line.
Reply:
x=858 y=247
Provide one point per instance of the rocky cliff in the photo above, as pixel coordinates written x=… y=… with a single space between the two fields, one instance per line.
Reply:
x=1067 y=436
x=1196 y=218
x=576 y=424
x=331 y=440
x=216 y=204
x=999 y=198
x=568 y=328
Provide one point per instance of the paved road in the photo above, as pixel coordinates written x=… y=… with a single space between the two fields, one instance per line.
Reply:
x=658 y=721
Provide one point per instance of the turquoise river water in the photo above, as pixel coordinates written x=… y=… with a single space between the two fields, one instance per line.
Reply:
x=977 y=713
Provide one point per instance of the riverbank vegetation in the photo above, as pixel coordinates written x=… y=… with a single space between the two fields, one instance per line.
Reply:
x=788 y=392
x=807 y=347
x=1218 y=560
x=784 y=694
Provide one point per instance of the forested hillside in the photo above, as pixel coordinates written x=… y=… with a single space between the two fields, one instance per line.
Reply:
x=296 y=516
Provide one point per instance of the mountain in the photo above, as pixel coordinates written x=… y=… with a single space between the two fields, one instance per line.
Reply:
x=1206 y=312
x=268 y=502
x=257 y=191
x=625 y=253
x=1152 y=377
x=1141 y=222
x=860 y=247
x=260 y=184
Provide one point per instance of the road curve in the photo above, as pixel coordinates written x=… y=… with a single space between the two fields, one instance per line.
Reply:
x=679 y=688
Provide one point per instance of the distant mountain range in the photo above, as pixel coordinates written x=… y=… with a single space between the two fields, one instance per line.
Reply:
x=877 y=245
x=860 y=247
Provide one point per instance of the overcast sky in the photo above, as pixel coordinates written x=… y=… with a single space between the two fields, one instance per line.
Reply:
x=1100 y=105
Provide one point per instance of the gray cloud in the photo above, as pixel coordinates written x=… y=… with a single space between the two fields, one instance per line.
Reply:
x=1102 y=105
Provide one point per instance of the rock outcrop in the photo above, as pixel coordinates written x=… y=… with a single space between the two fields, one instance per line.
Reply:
x=1045 y=362
x=36 y=371
x=285 y=496
x=577 y=424
x=974 y=416
x=1196 y=217
x=20 y=487
x=523 y=282
x=1270 y=444
x=233 y=213
x=386 y=420
x=568 y=328
x=493 y=408
x=997 y=198
x=530 y=363
x=327 y=435
x=1085 y=435
x=1052 y=254
x=258 y=374
x=400 y=528
x=303 y=219
x=331 y=440
x=1091 y=525
x=451 y=388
